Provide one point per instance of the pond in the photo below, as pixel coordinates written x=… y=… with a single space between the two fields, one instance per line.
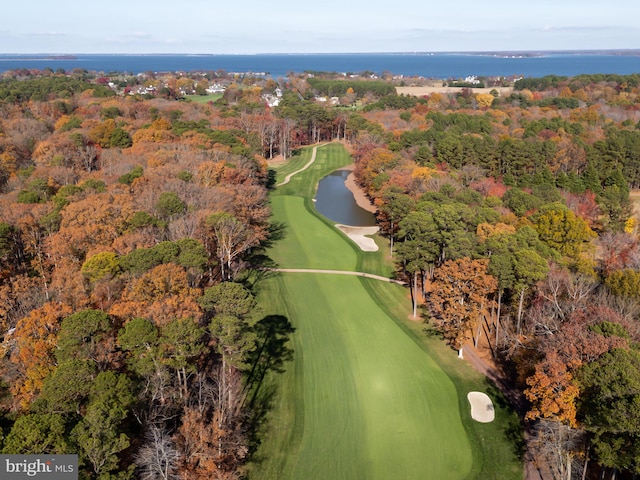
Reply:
x=337 y=203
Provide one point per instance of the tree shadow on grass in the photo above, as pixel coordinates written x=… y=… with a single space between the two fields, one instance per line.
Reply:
x=271 y=179
x=512 y=424
x=277 y=232
x=257 y=260
x=273 y=332
x=272 y=354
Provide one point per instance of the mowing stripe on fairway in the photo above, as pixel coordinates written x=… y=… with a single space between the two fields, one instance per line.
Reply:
x=370 y=402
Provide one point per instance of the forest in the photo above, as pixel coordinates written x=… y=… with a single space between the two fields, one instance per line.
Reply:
x=133 y=229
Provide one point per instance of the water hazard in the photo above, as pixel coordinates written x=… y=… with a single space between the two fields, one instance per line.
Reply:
x=337 y=203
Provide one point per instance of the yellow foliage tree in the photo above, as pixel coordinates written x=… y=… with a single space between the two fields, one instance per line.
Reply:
x=487 y=230
x=424 y=173
x=485 y=100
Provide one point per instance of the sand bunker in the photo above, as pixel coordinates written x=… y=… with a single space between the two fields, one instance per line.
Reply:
x=358 y=235
x=481 y=407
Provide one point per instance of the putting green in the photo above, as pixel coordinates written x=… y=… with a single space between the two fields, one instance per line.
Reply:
x=360 y=400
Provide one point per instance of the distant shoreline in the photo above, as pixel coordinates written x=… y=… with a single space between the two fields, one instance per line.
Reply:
x=443 y=65
x=489 y=53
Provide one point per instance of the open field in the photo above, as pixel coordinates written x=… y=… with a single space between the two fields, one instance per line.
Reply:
x=428 y=90
x=364 y=397
x=204 y=98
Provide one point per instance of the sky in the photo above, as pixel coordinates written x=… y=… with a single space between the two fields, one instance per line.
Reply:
x=328 y=26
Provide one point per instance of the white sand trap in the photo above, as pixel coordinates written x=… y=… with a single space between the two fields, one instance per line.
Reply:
x=358 y=235
x=481 y=407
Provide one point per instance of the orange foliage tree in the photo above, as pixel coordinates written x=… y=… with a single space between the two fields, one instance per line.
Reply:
x=33 y=350
x=460 y=297
x=552 y=392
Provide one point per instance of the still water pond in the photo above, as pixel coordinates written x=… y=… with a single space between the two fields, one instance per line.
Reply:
x=336 y=202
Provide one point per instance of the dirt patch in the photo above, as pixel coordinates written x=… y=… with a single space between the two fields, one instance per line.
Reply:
x=276 y=161
x=358 y=194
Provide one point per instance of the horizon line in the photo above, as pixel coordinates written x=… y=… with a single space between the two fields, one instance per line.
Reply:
x=406 y=52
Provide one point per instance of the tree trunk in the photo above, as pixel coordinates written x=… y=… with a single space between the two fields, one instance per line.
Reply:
x=497 y=324
x=415 y=294
x=519 y=319
x=586 y=464
x=184 y=382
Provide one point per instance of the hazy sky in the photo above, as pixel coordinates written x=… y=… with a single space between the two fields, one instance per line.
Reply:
x=286 y=26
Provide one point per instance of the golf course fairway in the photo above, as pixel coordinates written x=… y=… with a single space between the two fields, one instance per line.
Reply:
x=360 y=399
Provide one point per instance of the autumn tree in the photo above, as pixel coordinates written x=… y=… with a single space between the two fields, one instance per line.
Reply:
x=552 y=392
x=484 y=100
x=228 y=238
x=101 y=265
x=459 y=297
x=568 y=234
x=618 y=251
x=212 y=439
x=375 y=164
x=162 y=294
x=34 y=350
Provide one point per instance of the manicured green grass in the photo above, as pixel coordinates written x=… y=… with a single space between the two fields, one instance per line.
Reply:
x=328 y=158
x=204 y=98
x=309 y=242
x=497 y=446
x=367 y=395
x=362 y=400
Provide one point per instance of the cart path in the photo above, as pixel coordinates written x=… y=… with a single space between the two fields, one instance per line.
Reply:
x=338 y=272
x=309 y=163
